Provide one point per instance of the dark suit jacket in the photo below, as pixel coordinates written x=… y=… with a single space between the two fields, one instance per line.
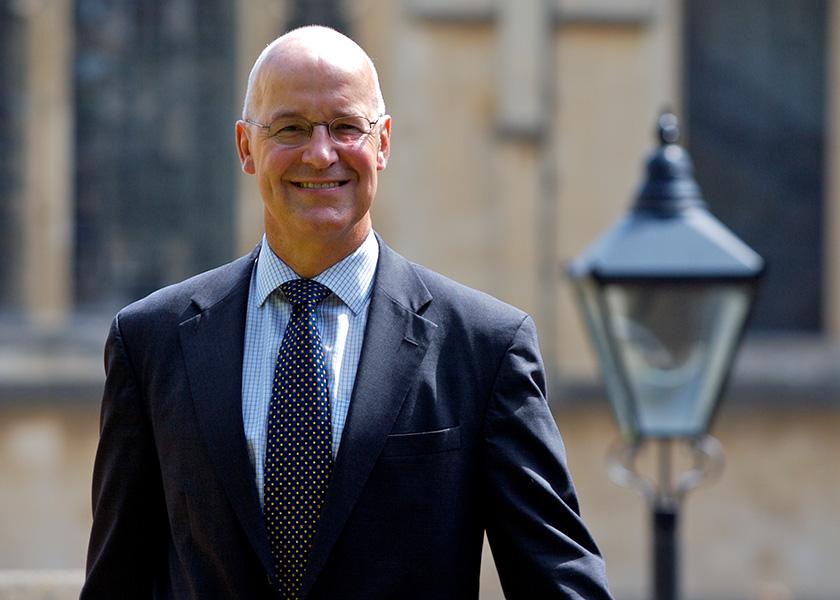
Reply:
x=448 y=435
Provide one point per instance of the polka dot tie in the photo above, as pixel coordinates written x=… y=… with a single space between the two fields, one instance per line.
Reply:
x=298 y=456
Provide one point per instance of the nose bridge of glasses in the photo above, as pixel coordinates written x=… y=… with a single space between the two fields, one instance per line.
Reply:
x=327 y=125
x=319 y=149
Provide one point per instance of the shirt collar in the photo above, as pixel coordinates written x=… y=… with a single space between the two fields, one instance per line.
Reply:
x=350 y=279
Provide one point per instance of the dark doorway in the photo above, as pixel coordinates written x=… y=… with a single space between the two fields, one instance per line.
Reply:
x=755 y=100
x=12 y=129
x=318 y=12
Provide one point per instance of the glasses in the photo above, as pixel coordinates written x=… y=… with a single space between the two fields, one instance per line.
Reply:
x=297 y=131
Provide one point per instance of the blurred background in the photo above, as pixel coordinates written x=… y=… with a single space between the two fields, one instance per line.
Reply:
x=519 y=134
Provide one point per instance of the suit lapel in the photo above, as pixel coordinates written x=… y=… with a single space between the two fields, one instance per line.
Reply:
x=396 y=339
x=212 y=343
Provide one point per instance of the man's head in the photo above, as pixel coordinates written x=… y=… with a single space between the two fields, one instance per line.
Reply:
x=316 y=192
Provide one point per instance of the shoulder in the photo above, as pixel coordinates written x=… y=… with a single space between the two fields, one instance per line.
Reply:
x=455 y=308
x=177 y=302
x=454 y=297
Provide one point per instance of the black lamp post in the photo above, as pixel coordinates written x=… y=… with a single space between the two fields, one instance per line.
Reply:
x=666 y=292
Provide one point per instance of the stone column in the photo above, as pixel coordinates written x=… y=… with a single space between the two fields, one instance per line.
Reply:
x=615 y=75
x=526 y=187
x=47 y=254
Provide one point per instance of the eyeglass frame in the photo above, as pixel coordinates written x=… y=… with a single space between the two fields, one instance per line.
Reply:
x=314 y=124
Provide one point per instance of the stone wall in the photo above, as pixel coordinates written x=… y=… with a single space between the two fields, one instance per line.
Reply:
x=41 y=584
x=769 y=523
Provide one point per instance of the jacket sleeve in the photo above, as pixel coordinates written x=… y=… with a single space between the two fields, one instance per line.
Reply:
x=128 y=537
x=540 y=544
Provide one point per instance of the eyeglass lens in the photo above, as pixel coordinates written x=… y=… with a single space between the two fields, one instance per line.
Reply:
x=297 y=131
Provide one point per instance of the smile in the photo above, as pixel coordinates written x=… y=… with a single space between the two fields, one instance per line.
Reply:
x=311 y=185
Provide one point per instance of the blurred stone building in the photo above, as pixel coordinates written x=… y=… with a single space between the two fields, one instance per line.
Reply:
x=519 y=134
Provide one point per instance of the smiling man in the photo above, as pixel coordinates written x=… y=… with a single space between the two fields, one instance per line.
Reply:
x=317 y=183
x=321 y=418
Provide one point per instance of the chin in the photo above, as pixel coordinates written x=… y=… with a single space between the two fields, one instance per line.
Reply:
x=335 y=227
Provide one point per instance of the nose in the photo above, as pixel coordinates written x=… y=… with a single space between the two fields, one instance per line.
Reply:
x=319 y=152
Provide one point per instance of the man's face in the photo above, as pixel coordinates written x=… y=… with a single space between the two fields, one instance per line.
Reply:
x=322 y=191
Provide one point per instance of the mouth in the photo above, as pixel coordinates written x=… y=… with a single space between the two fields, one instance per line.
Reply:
x=318 y=185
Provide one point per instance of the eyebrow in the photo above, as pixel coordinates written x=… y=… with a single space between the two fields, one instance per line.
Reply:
x=282 y=114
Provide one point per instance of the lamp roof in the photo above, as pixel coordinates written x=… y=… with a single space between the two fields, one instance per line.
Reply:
x=669 y=233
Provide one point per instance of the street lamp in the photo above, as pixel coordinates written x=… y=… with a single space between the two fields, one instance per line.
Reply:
x=665 y=293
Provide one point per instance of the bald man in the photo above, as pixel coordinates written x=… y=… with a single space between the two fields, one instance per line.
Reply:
x=321 y=418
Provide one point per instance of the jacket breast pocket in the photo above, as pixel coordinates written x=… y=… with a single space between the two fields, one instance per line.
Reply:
x=423 y=442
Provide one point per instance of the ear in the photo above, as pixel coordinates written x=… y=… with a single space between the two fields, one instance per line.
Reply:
x=384 y=151
x=243 y=147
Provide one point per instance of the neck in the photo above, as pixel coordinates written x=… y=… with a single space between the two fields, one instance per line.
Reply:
x=313 y=257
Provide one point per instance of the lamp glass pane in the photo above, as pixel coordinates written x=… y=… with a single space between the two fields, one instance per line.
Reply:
x=675 y=342
x=588 y=292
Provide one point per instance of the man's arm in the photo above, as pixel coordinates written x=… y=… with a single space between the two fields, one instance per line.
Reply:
x=541 y=546
x=127 y=541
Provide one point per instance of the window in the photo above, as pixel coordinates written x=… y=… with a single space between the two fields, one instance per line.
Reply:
x=155 y=103
x=755 y=99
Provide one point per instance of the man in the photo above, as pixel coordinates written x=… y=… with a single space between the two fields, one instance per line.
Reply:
x=363 y=456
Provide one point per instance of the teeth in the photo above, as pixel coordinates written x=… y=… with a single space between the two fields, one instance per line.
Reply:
x=319 y=186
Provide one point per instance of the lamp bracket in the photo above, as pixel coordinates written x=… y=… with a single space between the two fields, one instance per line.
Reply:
x=706 y=466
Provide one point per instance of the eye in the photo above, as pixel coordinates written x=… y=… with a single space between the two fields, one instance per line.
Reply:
x=348 y=130
x=285 y=129
x=294 y=128
x=348 y=127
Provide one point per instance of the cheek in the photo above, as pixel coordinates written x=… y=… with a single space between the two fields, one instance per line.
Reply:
x=275 y=163
x=365 y=162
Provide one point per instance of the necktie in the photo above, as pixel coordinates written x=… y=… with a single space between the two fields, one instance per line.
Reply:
x=298 y=456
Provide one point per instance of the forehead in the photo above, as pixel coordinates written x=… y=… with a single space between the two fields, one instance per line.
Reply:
x=314 y=84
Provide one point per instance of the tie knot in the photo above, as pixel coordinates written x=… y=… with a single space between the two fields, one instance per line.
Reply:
x=304 y=292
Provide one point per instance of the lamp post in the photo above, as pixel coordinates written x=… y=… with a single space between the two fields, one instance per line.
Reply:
x=665 y=294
